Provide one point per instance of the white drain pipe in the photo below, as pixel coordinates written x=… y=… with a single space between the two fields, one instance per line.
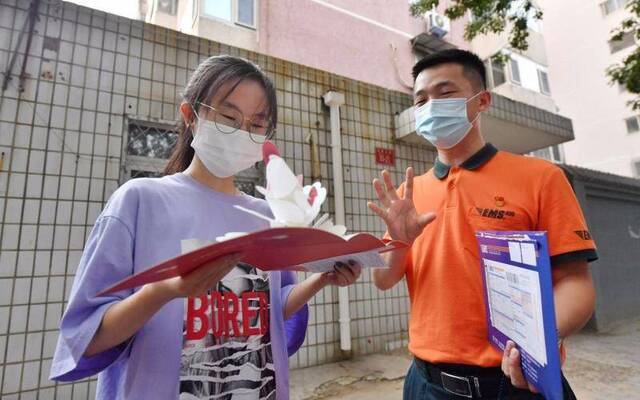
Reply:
x=334 y=100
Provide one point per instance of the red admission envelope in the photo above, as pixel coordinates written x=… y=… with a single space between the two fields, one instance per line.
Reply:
x=270 y=249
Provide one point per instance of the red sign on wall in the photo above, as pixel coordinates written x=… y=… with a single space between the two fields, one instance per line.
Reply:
x=385 y=156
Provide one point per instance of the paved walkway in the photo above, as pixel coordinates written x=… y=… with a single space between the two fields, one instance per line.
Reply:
x=599 y=366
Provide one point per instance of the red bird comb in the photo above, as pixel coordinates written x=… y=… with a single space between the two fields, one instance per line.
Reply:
x=268 y=148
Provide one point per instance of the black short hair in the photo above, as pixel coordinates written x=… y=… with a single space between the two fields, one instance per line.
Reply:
x=472 y=65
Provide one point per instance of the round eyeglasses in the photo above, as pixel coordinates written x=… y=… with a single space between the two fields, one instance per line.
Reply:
x=229 y=120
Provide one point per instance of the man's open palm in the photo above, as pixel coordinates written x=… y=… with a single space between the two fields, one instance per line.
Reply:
x=403 y=221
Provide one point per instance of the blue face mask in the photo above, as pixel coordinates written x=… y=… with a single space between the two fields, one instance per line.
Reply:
x=444 y=122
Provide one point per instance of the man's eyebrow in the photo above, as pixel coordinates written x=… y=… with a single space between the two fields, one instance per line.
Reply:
x=442 y=84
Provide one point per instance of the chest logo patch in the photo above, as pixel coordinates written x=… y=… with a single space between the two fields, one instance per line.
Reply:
x=495 y=213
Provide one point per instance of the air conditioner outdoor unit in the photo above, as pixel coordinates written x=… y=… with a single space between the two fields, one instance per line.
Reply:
x=437 y=24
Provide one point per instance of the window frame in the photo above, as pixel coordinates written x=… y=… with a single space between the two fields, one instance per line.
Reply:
x=234 y=15
x=637 y=124
x=174 y=8
x=635 y=166
x=491 y=63
x=512 y=79
x=540 y=86
x=255 y=15
x=617 y=5
x=621 y=43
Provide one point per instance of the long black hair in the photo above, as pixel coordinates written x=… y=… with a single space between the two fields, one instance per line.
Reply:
x=205 y=82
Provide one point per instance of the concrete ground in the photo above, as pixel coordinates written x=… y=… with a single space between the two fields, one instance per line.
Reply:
x=599 y=366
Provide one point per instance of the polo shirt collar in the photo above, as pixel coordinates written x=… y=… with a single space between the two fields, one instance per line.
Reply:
x=441 y=170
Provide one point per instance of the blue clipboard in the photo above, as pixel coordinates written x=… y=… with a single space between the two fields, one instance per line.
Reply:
x=516 y=271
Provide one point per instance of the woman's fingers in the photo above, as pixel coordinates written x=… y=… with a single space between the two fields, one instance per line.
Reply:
x=347 y=274
x=355 y=269
x=206 y=276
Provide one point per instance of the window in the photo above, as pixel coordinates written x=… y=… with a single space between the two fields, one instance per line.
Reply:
x=168 y=6
x=610 y=6
x=632 y=124
x=636 y=167
x=241 y=12
x=246 y=9
x=150 y=141
x=148 y=146
x=627 y=40
x=543 y=82
x=515 y=71
x=218 y=8
x=496 y=71
x=553 y=153
x=557 y=154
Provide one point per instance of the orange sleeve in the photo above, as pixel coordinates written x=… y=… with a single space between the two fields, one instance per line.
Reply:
x=561 y=216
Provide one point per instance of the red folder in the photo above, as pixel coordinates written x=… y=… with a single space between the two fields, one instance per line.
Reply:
x=270 y=249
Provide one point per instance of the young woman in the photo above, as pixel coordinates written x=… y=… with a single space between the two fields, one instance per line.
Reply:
x=224 y=330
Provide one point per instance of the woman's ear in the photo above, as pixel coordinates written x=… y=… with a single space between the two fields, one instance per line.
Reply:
x=187 y=113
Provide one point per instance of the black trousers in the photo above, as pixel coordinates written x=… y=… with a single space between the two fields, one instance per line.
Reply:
x=420 y=384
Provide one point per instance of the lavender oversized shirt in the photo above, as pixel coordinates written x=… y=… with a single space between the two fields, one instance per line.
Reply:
x=143 y=224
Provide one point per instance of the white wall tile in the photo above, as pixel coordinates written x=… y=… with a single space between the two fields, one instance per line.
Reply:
x=39 y=289
x=45 y=237
x=59 y=261
x=81 y=189
x=10 y=237
x=18 y=319
x=34 y=185
x=51 y=185
x=12 y=374
x=54 y=313
x=21 y=290
x=50 y=340
x=30 y=376
x=36 y=318
x=13 y=210
x=42 y=262
x=6 y=291
x=56 y=290
x=28 y=237
x=61 y=237
x=36 y=161
x=77 y=237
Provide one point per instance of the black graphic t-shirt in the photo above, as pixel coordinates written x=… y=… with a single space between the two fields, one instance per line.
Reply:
x=226 y=352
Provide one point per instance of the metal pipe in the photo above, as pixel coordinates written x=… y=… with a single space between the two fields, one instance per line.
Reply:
x=334 y=100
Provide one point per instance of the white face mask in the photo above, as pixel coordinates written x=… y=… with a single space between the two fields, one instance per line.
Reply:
x=225 y=154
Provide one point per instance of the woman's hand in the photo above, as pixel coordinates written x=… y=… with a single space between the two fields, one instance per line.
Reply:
x=343 y=274
x=197 y=282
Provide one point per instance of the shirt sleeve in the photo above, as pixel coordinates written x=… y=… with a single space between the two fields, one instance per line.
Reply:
x=107 y=259
x=296 y=325
x=561 y=216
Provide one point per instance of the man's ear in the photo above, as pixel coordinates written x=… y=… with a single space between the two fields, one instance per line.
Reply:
x=485 y=100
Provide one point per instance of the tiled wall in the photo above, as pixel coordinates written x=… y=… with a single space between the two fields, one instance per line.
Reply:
x=63 y=141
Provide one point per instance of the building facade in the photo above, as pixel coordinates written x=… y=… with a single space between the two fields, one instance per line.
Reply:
x=607 y=131
x=95 y=106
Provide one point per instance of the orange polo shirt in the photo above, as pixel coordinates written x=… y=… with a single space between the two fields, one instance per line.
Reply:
x=493 y=190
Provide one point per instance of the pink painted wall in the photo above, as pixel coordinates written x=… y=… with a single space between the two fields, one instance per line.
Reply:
x=313 y=33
